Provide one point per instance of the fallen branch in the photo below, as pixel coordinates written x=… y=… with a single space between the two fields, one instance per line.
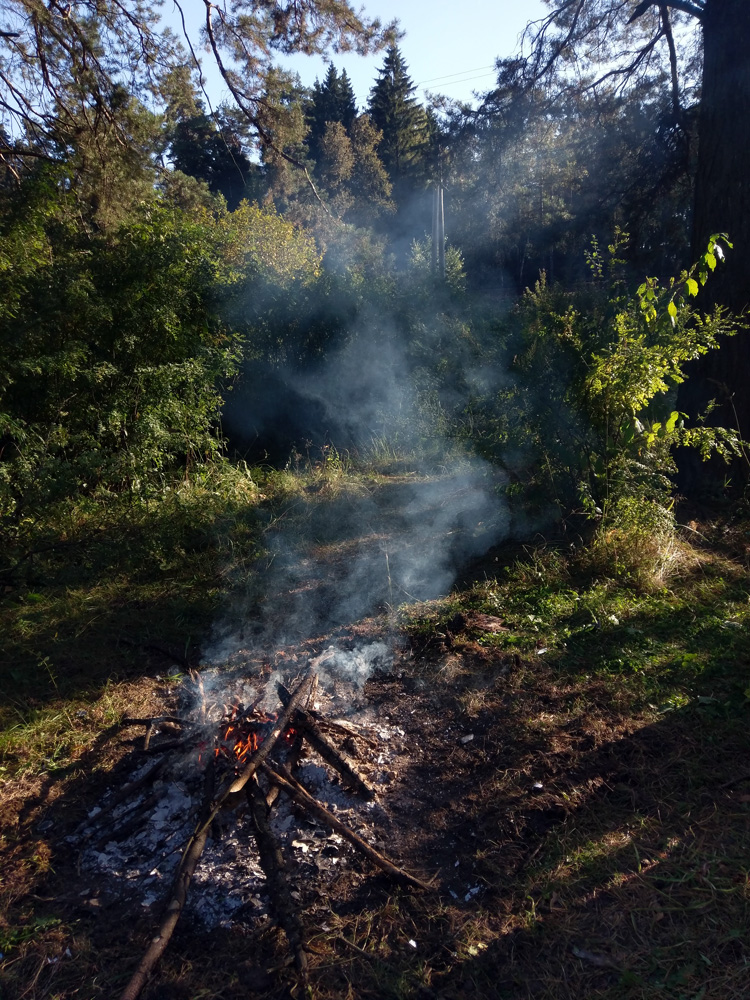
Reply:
x=158 y=720
x=126 y=791
x=342 y=728
x=333 y=756
x=282 y=777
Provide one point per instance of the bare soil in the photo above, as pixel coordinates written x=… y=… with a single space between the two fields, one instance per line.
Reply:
x=574 y=850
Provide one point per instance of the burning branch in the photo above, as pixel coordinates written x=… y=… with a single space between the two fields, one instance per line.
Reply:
x=236 y=753
x=197 y=842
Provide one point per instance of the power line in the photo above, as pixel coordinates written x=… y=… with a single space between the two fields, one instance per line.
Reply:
x=475 y=69
x=458 y=83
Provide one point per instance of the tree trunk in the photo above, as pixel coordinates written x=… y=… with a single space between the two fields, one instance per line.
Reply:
x=722 y=204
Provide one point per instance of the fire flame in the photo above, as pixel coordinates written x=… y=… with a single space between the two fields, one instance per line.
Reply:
x=238 y=737
x=235 y=744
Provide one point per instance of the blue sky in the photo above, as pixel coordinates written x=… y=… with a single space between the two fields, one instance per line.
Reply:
x=449 y=48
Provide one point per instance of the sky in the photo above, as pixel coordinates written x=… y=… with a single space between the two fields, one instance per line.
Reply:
x=449 y=48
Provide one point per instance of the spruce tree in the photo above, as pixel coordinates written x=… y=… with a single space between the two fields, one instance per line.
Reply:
x=331 y=101
x=396 y=113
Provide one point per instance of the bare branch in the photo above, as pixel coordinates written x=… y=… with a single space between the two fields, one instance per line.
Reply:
x=694 y=9
x=667 y=26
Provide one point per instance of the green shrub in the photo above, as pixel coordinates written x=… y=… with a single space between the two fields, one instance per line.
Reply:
x=113 y=345
x=598 y=372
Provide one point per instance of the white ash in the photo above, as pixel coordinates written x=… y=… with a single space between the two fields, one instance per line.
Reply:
x=342 y=674
x=228 y=885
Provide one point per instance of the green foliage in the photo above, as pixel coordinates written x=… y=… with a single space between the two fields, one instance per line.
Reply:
x=113 y=345
x=534 y=174
x=598 y=371
x=210 y=149
x=401 y=120
x=331 y=102
x=420 y=264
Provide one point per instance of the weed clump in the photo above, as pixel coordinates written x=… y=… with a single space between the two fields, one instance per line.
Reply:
x=638 y=543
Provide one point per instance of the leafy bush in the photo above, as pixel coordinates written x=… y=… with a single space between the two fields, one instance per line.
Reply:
x=598 y=372
x=114 y=345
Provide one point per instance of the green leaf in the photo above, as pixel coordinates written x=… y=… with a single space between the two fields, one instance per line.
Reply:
x=671 y=423
x=711 y=261
x=672 y=309
x=692 y=286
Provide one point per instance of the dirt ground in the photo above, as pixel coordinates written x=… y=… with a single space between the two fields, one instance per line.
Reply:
x=578 y=840
x=572 y=850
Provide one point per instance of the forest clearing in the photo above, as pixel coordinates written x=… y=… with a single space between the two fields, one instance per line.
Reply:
x=565 y=769
x=374 y=525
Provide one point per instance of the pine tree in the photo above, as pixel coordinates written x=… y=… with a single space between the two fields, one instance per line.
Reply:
x=210 y=149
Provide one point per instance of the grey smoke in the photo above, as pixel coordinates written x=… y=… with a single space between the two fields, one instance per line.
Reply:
x=362 y=552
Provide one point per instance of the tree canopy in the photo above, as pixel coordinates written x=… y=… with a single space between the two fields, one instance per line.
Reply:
x=61 y=64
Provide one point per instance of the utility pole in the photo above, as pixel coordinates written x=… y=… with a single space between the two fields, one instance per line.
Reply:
x=438 y=231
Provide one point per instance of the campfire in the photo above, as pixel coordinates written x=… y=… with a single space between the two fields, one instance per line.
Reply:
x=245 y=762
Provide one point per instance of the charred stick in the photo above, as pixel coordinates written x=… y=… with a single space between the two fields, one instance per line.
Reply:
x=339 y=761
x=258 y=757
x=169 y=745
x=131 y=822
x=189 y=862
x=272 y=863
x=343 y=729
x=174 y=909
x=280 y=776
x=197 y=680
x=127 y=790
x=292 y=763
x=313 y=694
x=158 y=720
x=304 y=720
